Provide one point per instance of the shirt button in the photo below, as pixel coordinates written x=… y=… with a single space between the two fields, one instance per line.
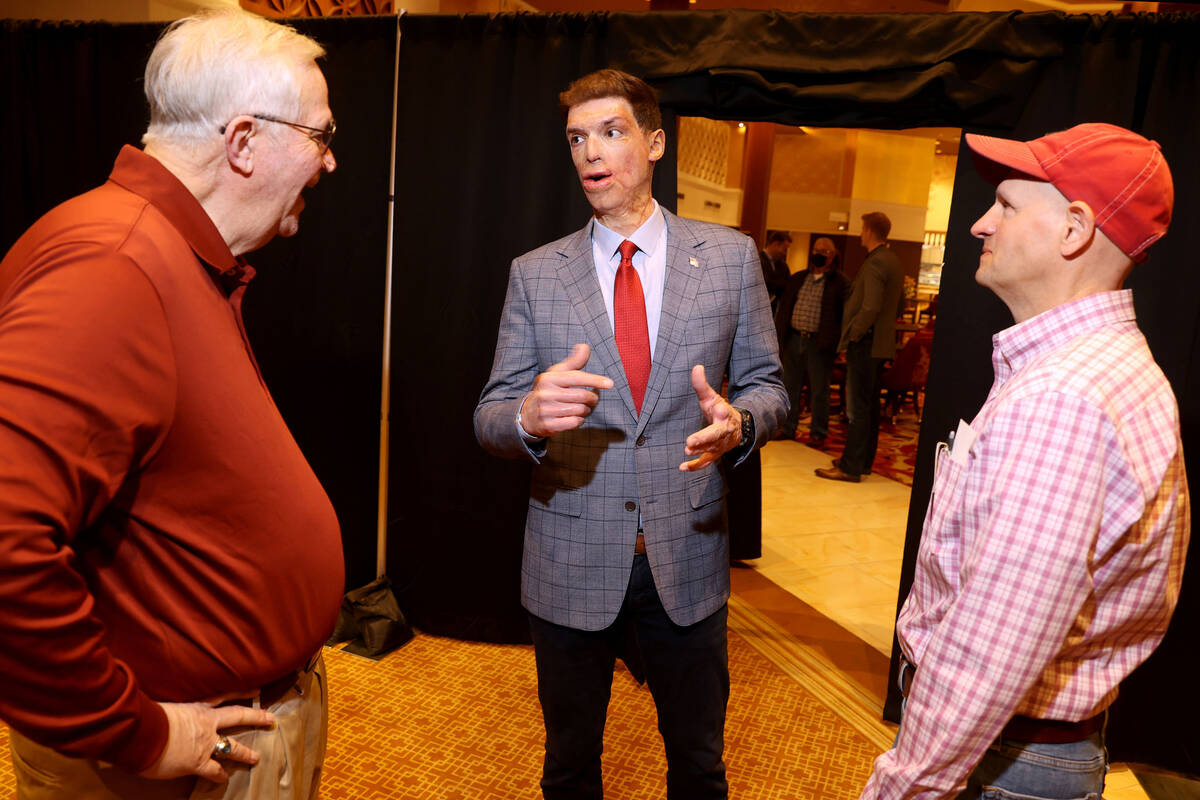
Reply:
x=641 y=440
x=630 y=505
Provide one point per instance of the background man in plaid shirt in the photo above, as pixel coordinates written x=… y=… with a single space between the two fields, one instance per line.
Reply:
x=1054 y=543
x=808 y=323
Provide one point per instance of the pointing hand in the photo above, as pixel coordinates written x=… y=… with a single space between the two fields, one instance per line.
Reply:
x=562 y=396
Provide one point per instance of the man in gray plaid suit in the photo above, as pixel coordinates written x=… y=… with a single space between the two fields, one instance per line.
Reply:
x=627 y=549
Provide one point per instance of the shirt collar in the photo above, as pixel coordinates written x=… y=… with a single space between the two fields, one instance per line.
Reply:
x=1014 y=347
x=646 y=237
x=145 y=176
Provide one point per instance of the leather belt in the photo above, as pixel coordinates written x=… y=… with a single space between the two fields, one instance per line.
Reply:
x=639 y=547
x=1026 y=729
x=804 y=334
x=271 y=693
x=1051 y=731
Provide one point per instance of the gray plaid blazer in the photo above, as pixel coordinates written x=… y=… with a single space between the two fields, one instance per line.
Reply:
x=589 y=484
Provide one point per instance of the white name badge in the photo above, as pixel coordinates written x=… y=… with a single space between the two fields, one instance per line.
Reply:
x=964 y=440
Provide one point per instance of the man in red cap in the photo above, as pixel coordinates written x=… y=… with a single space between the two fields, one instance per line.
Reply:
x=1054 y=543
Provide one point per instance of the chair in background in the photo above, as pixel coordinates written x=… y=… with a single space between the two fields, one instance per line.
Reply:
x=905 y=380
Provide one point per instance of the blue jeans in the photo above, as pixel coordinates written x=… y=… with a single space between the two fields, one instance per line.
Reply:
x=862 y=389
x=1012 y=770
x=687 y=670
x=803 y=359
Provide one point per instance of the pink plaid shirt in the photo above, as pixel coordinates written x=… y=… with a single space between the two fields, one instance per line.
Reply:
x=1053 y=547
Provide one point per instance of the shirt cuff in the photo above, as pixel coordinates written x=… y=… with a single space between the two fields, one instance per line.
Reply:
x=527 y=437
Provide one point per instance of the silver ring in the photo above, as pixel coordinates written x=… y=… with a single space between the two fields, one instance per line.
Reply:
x=222 y=748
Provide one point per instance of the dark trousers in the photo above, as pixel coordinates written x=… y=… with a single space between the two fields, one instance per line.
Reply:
x=802 y=360
x=863 y=376
x=687 y=670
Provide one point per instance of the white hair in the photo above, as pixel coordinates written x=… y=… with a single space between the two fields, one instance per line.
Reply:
x=209 y=68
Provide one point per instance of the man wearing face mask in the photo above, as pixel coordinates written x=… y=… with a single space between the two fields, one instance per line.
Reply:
x=809 y=323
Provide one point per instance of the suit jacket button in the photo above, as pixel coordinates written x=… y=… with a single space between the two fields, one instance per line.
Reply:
x=630 y=505
x=641 y=440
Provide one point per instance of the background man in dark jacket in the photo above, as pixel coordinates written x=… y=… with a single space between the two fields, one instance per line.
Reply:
x=774 y=264
x=869 y=339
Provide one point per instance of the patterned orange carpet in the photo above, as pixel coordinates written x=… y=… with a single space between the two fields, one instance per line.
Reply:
x=450 y=720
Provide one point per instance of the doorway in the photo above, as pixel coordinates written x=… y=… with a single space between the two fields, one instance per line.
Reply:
x=836 y=546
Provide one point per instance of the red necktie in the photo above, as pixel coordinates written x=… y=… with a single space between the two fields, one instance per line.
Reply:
x=629 y=324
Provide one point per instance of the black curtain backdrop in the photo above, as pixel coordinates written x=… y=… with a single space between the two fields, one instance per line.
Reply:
x=1009 y=74
x=72 y=96
x=484 y=175
x=1018 y=75
x=315 y=310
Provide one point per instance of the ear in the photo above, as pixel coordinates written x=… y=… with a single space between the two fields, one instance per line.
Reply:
x=1079 y=231
x=658 y=145
x=239 y=144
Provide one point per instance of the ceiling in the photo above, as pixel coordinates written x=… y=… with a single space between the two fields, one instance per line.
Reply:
x=859 y=6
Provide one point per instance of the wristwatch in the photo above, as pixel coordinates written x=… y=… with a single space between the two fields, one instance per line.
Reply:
x=747 y=425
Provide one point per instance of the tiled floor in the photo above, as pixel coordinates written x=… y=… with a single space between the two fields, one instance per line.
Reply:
x=838 y=547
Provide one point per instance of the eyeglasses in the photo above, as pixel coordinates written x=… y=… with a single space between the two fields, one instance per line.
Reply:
x=322 y=136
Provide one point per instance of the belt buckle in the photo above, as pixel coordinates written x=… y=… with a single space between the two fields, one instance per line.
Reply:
x=904 y=676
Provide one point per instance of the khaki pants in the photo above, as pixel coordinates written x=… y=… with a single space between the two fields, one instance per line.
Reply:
x=289 y=768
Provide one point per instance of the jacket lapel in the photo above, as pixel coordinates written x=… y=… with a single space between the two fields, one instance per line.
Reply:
x=685 y=265
x=578 y=276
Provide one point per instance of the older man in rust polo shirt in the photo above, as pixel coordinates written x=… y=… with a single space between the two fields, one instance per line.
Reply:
x=165 y=548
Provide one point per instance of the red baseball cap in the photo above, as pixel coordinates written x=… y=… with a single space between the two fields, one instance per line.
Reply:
x=1122 y=176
